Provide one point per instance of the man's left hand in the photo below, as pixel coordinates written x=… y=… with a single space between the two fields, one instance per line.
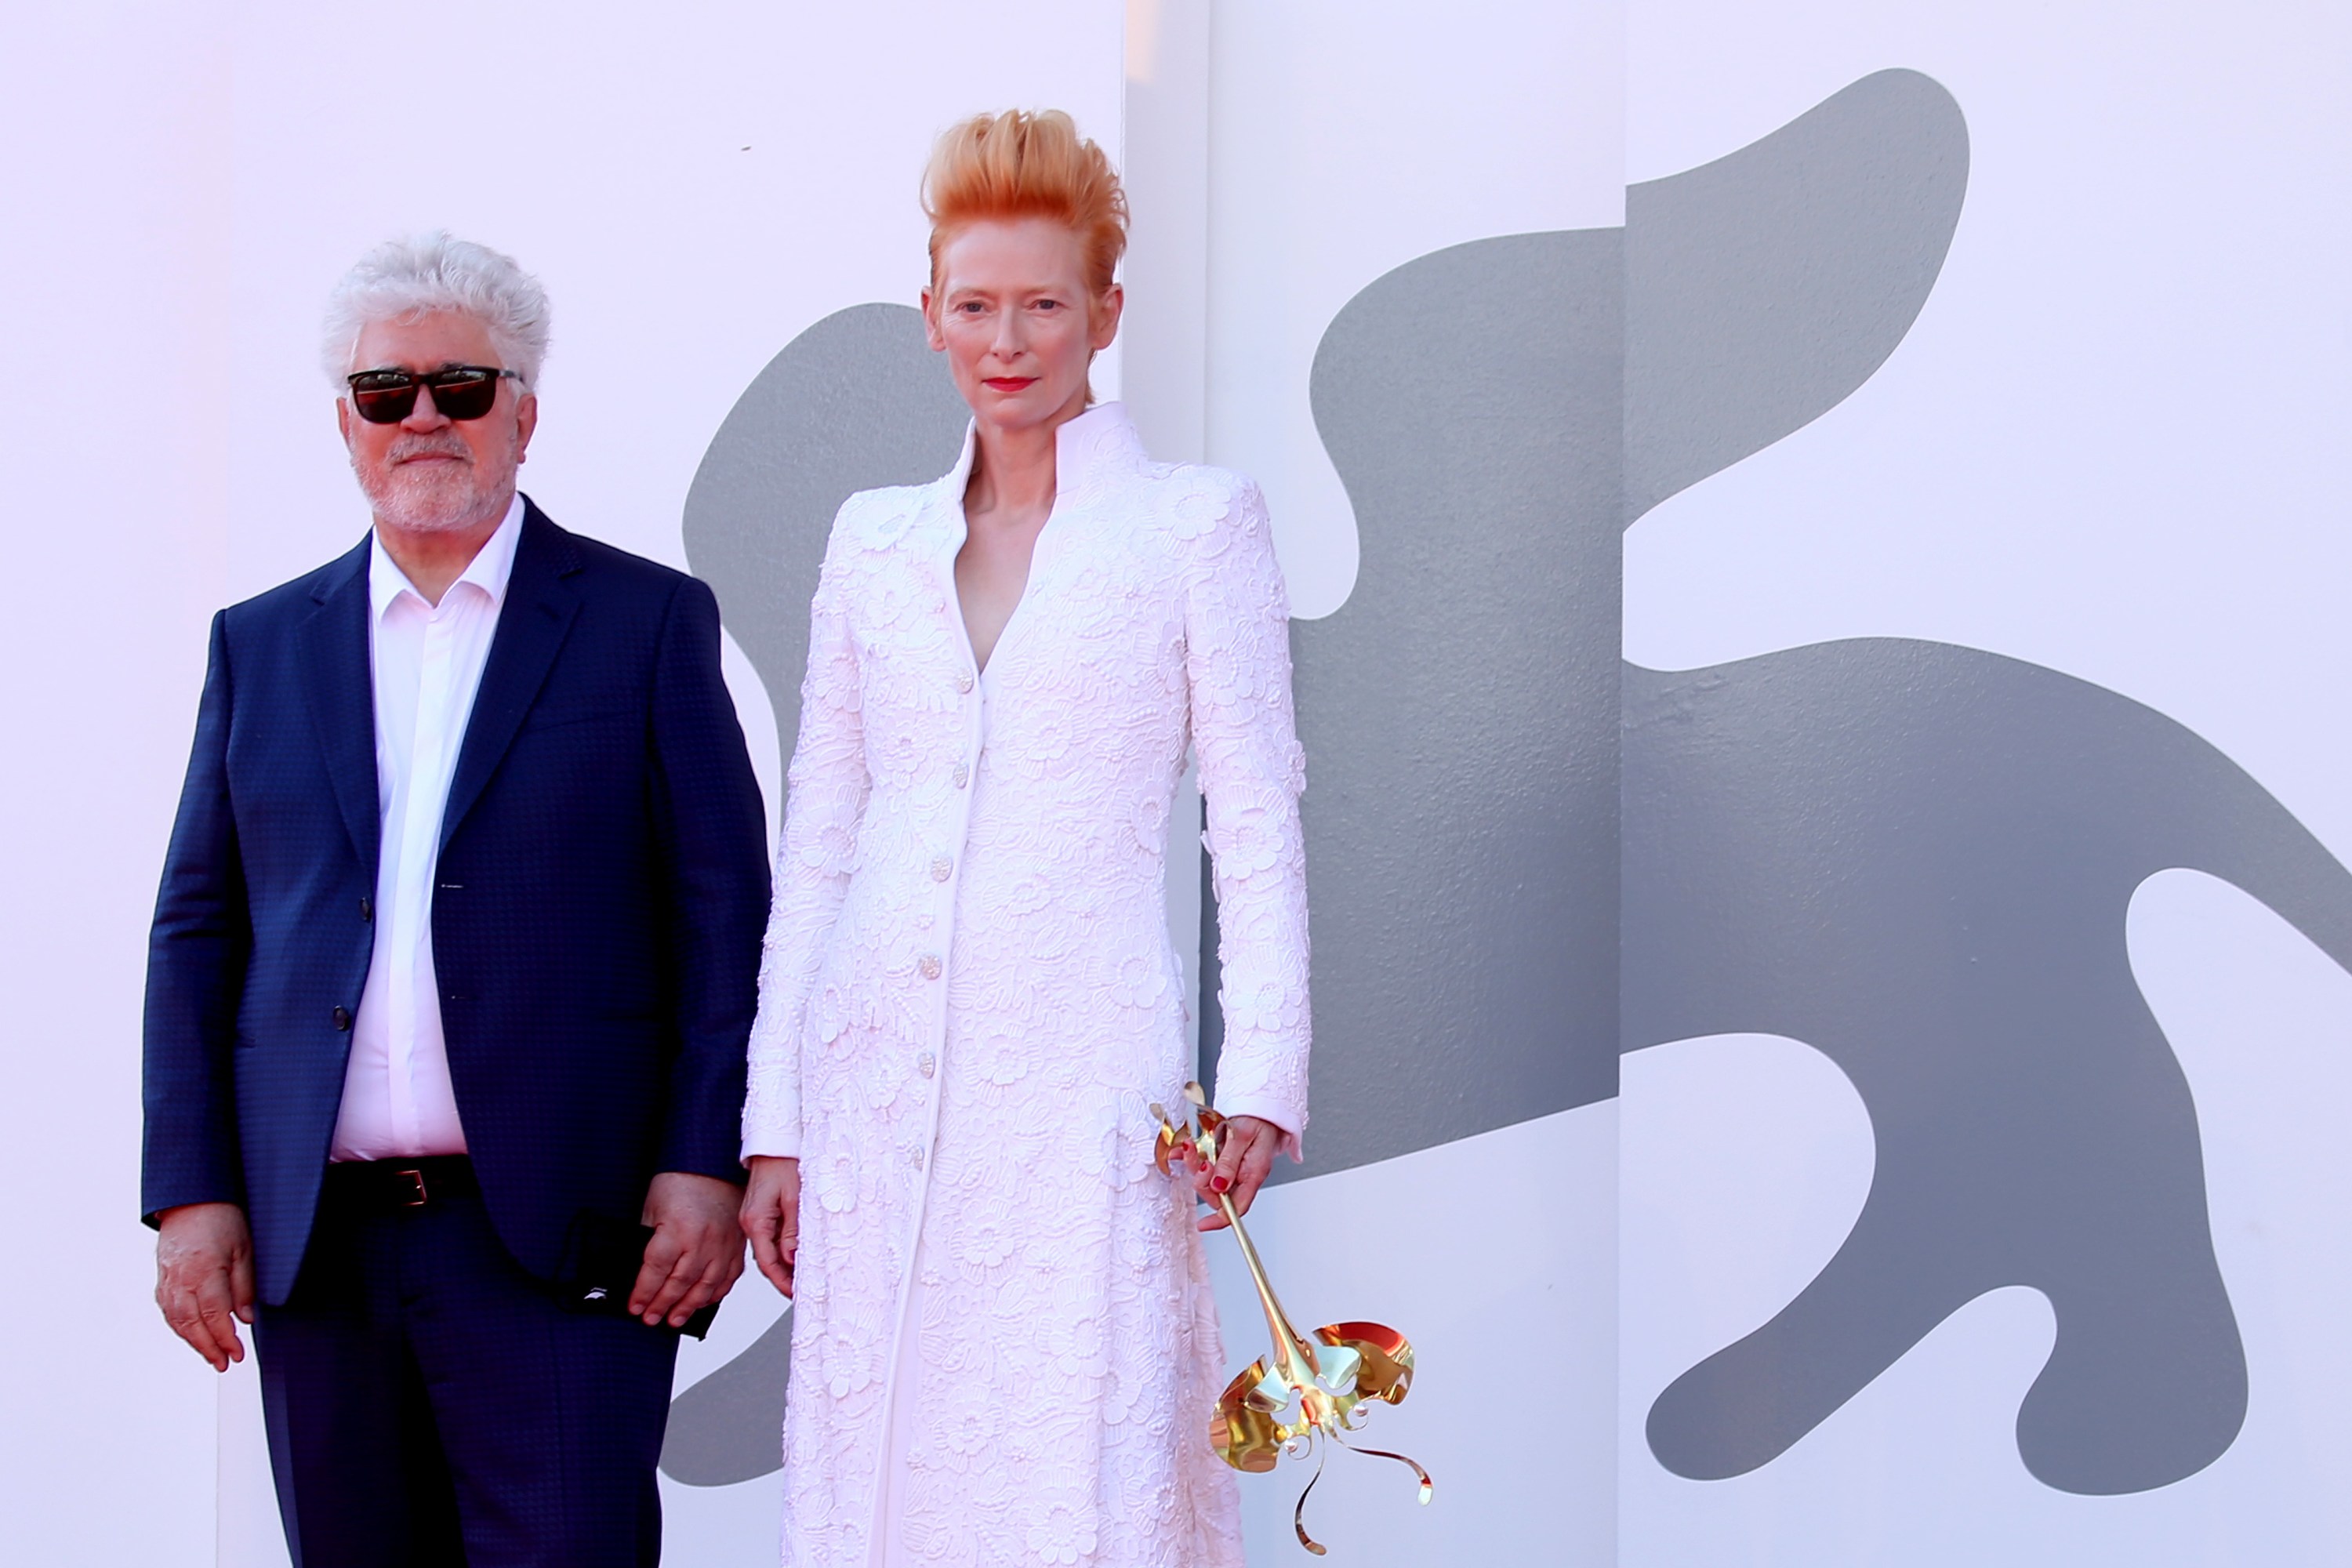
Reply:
x=697 y=1251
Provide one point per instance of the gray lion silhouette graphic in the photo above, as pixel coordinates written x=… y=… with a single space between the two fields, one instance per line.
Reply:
x=1914 y=857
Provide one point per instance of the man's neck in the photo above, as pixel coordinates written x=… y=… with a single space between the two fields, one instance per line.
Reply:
x=433 y=559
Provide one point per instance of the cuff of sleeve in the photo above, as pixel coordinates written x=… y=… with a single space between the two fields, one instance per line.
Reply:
x=703 y=1157
x=770 y=1144
x=181 y=1189
x=1288 y=1122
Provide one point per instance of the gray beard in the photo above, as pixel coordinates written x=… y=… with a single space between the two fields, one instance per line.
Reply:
x=431 y=502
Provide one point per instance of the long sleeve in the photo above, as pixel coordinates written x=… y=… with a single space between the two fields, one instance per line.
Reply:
x=1237 y=640
x=196 y=957
x=825 y=799
x=707 y=808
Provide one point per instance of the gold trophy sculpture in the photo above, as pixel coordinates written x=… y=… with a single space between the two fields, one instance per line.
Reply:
x=1312 y=1385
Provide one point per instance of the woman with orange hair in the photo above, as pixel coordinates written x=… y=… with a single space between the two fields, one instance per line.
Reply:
x=1005 y=1347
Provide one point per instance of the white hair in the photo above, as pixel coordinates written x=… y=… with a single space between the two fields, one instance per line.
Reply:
x=403 y=278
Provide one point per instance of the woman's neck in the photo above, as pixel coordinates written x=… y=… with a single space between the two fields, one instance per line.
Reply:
x=1013 y=471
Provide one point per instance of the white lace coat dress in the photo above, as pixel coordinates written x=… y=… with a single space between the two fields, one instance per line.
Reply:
x=1005 y=1348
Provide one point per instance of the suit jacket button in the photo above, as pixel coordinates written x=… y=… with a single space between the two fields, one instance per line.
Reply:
x=367 y=907
x=342 y=1017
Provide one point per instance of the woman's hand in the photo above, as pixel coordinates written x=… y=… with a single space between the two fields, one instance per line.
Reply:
x=771 y=1216
x=1245 y=1151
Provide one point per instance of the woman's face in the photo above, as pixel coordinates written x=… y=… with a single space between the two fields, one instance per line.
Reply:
x=1010 y=309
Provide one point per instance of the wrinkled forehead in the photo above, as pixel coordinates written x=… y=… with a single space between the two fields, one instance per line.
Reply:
x=426 y=339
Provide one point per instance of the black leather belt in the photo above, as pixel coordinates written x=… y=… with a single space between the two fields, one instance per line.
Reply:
x=412 y=1183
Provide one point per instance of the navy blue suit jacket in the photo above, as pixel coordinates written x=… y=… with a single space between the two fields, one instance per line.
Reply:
x=596 y=915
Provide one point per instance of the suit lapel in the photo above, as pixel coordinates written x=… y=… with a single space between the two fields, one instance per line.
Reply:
x=533 y=624
x=339 y=690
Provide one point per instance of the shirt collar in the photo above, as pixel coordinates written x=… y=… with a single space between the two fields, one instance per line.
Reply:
x=489 y=570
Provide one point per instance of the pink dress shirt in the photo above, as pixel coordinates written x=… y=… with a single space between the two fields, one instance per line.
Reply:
x=427 y=661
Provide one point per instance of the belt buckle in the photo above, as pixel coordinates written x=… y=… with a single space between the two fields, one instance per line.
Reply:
x=417 y=1177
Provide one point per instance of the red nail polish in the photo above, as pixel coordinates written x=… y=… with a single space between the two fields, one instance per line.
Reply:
x=1220 y=1184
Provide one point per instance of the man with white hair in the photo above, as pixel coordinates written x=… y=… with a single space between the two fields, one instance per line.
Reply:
x=451 y=975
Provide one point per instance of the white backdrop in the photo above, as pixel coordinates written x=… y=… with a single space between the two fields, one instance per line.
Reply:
x=116 y=524
x=2114 y=444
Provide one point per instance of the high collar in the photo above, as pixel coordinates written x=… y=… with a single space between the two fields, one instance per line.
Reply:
x=1098 y=444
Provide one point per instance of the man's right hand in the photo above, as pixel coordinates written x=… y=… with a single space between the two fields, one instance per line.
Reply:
x=204 y=1278
x=772 y=1216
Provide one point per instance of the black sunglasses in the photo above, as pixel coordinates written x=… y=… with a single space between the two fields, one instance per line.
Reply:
x=459 y=391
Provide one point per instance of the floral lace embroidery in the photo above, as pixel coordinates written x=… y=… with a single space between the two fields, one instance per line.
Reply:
x=969 y=1000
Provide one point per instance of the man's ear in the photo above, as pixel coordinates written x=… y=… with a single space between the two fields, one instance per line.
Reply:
x=1762 y=289
x=526 y=421
x=344 y=419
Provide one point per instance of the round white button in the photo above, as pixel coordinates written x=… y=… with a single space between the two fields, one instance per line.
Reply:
x=964 y=680
x=930 y=966
x=927 y=1064
x=941 y=868
x=963 y=776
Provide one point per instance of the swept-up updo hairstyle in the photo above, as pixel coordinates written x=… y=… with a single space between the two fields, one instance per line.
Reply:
x=1022 y=164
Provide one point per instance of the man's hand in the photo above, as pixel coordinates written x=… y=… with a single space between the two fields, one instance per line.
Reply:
x=772 y=1217
x=204 y=1278
x=696 y=1253
x=1245 y=1151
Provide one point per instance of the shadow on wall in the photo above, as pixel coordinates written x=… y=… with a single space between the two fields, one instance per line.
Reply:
x=1917 y=857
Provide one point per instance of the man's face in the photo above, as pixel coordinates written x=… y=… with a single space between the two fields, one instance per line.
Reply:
x=430 y=474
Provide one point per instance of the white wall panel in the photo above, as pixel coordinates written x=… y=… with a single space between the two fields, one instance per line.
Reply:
x=2113 y=444
x=120 y=392
x=1347 y=138
x=2116 y=438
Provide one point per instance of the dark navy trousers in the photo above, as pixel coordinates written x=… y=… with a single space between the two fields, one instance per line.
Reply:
x=429 y=1405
